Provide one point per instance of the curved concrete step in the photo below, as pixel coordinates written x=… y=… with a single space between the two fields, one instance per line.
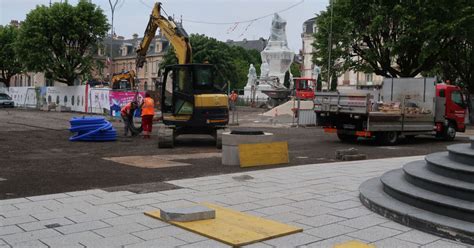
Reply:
x=441 y=164
x=374 y=198
x=396 y=186
x=417 y=173
x=462 y=153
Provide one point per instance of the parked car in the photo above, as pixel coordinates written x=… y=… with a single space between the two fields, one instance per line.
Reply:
x=6 y=101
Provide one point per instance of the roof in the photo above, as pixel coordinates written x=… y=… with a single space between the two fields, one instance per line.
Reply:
x=258 y=45
x=308 y=25
x=131 y=44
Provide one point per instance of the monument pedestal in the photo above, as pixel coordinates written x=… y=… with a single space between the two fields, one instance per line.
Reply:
x=435 y=195
x=259 y=95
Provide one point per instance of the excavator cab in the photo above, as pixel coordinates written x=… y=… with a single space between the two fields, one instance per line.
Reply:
x=192 y=96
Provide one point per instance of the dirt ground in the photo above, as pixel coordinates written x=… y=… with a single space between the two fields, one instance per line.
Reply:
x=36 y=156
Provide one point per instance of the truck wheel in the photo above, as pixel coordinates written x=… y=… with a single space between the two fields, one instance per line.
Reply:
x=449 y=132
x=387 y=138
x=347 y=138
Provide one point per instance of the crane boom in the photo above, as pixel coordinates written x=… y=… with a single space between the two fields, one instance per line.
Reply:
x=176 y=35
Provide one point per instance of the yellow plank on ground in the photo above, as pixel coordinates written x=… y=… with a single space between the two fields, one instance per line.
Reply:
x=234 y=228
x=353 y=244
x=263 y=154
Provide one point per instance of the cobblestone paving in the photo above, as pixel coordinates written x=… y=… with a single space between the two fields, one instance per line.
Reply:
x=322 y=199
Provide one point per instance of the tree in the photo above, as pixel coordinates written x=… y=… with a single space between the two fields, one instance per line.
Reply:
x=295 y=69
x=389 y=38
x=457 y=63
x=9 y=63
x=60 y=40
x=232 y=62
x=340 y=43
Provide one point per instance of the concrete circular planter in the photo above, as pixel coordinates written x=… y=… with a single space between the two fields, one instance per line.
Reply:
x=231 y=142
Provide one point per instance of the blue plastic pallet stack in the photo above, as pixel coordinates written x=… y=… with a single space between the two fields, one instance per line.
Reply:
x=92 y=129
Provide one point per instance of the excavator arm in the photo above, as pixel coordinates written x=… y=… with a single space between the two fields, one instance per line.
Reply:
x=176 y=35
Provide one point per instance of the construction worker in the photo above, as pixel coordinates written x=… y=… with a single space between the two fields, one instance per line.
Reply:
x=127 y=116
x=233 y=99
x=148 y=111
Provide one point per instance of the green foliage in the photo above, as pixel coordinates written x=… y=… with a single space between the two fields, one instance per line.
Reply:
x=340 y=42
x=232 y=61
x=389 y=38
x=9 y=63
x=457 y=63
x=59 y=40
x=295 y=69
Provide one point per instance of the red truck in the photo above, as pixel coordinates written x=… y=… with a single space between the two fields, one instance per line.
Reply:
x=402 y=107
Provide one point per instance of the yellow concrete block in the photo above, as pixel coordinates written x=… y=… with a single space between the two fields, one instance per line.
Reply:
x=263 y=154
x=353 y=244
x=234 y=228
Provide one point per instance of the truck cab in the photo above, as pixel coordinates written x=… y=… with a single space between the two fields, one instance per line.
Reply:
x=304 y=88
x=450 y=99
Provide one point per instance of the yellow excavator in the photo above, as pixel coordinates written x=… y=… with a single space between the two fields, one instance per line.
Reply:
x=124 y=80
x=193 y=100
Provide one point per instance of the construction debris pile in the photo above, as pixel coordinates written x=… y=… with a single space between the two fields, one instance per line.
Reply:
x=395 y=108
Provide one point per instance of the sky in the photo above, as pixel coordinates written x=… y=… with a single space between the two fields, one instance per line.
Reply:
x=131 y=16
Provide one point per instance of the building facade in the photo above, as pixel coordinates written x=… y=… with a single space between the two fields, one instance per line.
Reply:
x=124 y=55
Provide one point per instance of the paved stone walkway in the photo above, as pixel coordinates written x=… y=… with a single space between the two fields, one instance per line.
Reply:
x=322 y=199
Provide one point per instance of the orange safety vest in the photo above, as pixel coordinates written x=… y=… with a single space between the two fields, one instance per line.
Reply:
x=148 y=107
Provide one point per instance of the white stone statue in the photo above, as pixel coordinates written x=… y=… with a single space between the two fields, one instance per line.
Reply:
x=252 y=76
x=316 y=72
x=264 y=70
x=292 y=81
x=277 y=53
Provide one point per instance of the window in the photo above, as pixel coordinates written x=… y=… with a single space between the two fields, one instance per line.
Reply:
x=203 y=77
x=456 y=97
x=169 y=90
x=368 y=77
x=204 y=80
x=4 y=97
x=183 y=77
x=303 y=85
